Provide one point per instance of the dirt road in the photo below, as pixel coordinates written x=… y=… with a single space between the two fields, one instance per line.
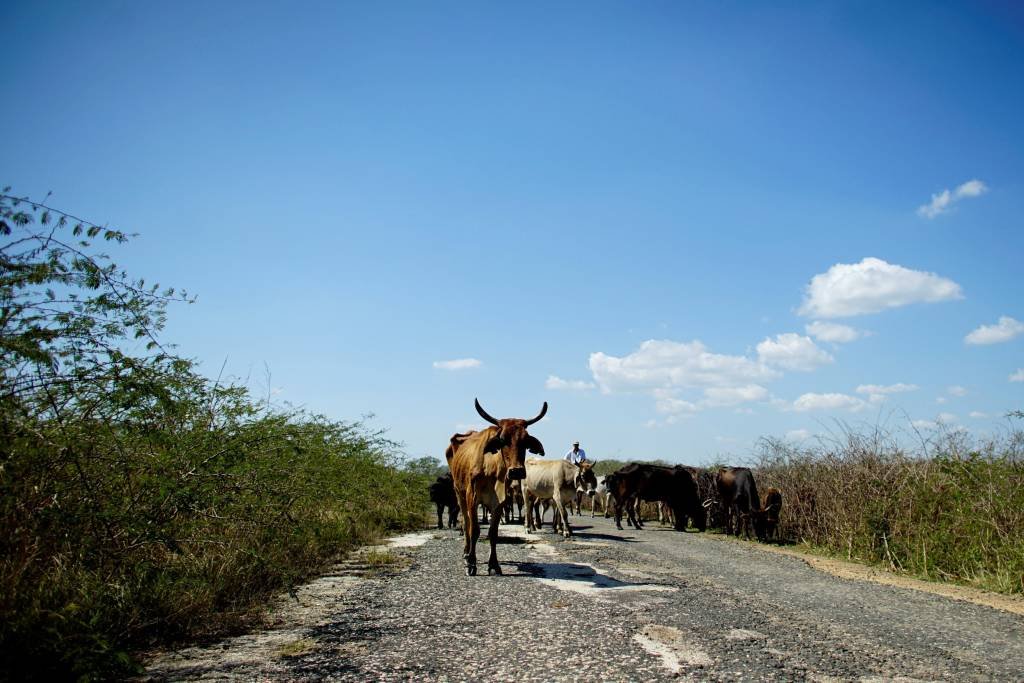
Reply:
x=610 y=605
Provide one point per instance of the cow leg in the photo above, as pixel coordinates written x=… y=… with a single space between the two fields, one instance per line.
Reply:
x=528 y=503
x=607 y=503
x=632 y=508
x=440 y=514
x=560 y=511
x=470 y=531
x=593 y=505
x=492 y=536
x=630 y=514
x=453 y=515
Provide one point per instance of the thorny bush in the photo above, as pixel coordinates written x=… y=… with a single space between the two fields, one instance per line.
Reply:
x=141 y=502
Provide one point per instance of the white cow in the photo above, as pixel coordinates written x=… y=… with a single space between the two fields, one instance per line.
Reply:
x=557 y=480
x=602 y=493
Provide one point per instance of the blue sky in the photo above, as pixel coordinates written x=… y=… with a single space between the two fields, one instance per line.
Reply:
x=637 y=212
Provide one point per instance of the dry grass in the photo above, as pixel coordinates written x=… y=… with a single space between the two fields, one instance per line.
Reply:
x=952 y=509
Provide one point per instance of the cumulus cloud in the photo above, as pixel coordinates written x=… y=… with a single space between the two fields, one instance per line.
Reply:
x=457 y=364
x=898 y=388
x=669 y=365
x=1003 y=331
x=834 y=332
x=956 y=390
x=792 y=352
x=873 y=285
x=978 y=415
x=879 y=393
x=827 y=402
x=558 y=384
x=1017 y=376
x=798 y=435
x=730 y=396
x=946 y=418
x=943 y=201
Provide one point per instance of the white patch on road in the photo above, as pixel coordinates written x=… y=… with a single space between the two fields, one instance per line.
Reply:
x=586 y=580
x=413 y=540
x=744 y=634
x=671 y=647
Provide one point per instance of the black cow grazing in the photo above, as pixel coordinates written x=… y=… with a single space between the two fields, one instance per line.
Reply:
x=770 y=512
x=442 y=494
x=737 y=495
x=654 y=483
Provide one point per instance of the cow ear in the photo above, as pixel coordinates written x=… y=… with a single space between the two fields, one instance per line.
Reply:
x=533 y=445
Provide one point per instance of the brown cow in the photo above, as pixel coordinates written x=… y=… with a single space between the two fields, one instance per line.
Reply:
x=480 y=462
x=737 y=495
x=770 y=512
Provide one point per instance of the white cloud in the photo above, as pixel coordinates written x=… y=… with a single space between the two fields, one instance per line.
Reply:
x=923 y=424
x=457 y=364
x=1017 y=376
x=941 y=399
x=978 y=415
x=798 y=435
x=558 y=384
x=730 y=396
x=956 y=390
x=1006 y=329
x=792 y=352
x=942 y=201
x=827 y=402
x=674 y=406
x=834 y=332
x=668 y=364
x=946 y=418
x=873 y=285
x=898 y=388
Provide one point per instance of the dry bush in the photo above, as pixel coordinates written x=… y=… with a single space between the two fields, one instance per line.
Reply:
x=952 y=508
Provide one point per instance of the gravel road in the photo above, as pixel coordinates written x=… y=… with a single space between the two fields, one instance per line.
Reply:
x=609 y=605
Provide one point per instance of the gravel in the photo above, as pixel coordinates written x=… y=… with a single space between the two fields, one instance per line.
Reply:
x=609 y=606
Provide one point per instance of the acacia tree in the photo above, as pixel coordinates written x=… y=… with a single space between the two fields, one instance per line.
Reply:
x=69 y=316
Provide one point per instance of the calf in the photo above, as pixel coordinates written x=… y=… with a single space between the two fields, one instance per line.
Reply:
x=442 y=494
x=770 y=512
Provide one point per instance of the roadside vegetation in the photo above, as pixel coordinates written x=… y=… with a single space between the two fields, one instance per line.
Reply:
x=140 y=501
x=951 y=510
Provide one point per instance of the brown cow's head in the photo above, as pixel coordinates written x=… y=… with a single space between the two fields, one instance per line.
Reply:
x=512 y=441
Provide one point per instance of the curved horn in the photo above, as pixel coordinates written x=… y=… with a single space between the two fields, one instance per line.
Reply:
x=708 y=503
x=484 y=415
x=543 y=412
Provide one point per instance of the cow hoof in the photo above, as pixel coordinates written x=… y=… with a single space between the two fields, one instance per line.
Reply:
x=495 y=570
x=471 y=570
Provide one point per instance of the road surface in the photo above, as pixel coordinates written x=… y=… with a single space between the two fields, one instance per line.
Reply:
x=608 y=605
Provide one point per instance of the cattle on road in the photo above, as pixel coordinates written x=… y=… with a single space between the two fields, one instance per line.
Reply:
x=442 y=494
x=480 y=463
x=557 y=480
x=654 y=483
x=740 y=504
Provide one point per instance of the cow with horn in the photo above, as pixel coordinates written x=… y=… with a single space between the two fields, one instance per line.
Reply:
x=480 y=463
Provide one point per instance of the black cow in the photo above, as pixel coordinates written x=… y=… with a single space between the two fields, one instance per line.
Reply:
x=442 y=494
x=737 y=495
x=653 y=483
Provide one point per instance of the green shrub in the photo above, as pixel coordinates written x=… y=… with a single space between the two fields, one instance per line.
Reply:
x=140 y=502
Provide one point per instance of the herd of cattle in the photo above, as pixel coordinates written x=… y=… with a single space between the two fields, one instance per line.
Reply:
x=489 y=469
